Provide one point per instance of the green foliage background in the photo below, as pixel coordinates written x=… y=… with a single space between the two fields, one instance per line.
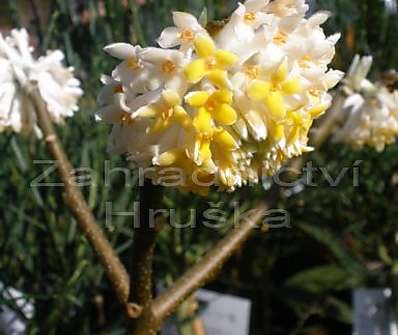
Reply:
x=299 y=279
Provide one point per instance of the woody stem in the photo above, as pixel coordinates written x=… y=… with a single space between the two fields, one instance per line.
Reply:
x=74 y=199
x=200 y=274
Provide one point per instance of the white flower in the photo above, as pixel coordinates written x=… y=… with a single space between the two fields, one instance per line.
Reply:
x=287 y=7
x=18 y=69
x=369 y=111
x=184 y=32
x=356 y=78
x=229 y=106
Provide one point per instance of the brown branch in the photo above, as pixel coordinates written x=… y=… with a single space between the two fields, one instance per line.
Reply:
x=77 y=204
x=200 y=274
x=143 y=250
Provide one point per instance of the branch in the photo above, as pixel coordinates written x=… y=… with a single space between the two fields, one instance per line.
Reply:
x=208 y=267
x=77 y=204
x=143 y=251
x=200 y=274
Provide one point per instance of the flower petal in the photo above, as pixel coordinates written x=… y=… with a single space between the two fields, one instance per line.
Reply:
x=169 y=38
x=195 y=71
x=225 y=115
x=219 y=78
x=258 y=90
x=167 y=158
x=171 y=98
x=276 y=105
x=204 y=46
x=121 y=50
x=197 y=98
x=225 y=58
x=225 y=140
x=203 y=121
x=184 y=20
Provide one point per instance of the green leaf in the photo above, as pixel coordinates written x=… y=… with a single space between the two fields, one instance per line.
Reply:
x=339 y=310
x=336 y=247
x=384 y=255
x=322 y=279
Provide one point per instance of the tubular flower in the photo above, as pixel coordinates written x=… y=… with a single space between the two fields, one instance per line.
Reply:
x=229 y=105
x=18 y=70
x=369 y=112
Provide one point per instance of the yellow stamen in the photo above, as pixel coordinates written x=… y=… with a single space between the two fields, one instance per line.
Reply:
x=280 y=38
x=211 y=63
x=252 y=71
x=168 y=67
x=315 y=92
x=125 y=119
x=187 y=35
x=250 y=17
x=167 y=113
x=303 y=63
x=132 y=63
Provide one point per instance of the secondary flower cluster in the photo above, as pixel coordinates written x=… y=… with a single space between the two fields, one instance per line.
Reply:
x=18 y=70
x=369 y=110
x=223 y=104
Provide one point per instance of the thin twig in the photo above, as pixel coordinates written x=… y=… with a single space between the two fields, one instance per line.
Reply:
x=77 y=204
x=208 y=267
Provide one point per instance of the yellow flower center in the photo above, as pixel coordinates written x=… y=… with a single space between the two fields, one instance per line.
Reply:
x=315 y=92
x=252 y=71
x=304 y=62
x=167 y=113
x=211 y=105
x=206 y=137
x=132 y=63
x=250 y=17
x=168 y=67
x=280 y=38
x=187 y=35
x=125 y=119
x=211 y=63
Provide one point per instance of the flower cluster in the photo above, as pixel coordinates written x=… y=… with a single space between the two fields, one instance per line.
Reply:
x=18 y=70
x=221 y=104
x=369 y=110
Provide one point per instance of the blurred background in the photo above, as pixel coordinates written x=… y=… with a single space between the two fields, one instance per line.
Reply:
x=300 y=280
